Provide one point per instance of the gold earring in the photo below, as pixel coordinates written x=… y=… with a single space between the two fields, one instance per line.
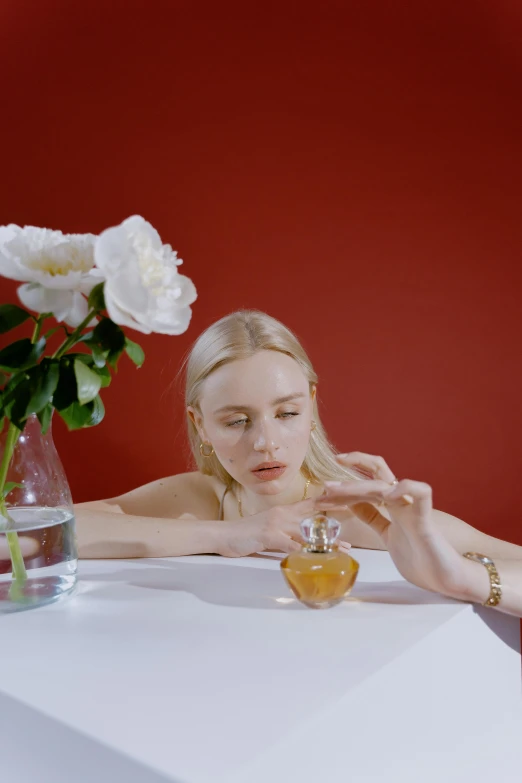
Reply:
x=202 y=452
x=314 y=425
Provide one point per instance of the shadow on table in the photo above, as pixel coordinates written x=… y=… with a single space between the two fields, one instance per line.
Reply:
x=509 y=632
x=255 y=588
x=37 y=747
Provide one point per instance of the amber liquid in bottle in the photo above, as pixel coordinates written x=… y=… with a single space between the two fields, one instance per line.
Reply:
x=320 y=576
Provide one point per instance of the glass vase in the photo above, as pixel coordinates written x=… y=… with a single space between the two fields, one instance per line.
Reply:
x=38 y=557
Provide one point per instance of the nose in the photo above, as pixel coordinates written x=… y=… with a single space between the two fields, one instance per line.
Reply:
x=264 y=438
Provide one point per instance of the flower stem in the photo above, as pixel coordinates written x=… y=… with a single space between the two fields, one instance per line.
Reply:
x=38 y=326
x=73 y=338
x=17 y=560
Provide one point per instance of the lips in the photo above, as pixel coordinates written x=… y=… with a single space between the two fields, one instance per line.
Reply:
x=268 y=471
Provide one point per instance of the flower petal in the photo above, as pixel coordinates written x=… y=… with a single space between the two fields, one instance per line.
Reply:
x=70 y=281
x=77 y=311
x=177 y=322
x=46 y=300
x=8 y=263
x=136 y=224
x=44 y=256
x=111 y=250
x=90 y=280
x=143 y=289
x=187 y=291
x=122 y=318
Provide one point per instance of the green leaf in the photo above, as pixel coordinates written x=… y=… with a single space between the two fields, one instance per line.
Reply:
x=12 y=316
x=96 y=298
x=31 y=392
x=88 y=382
x=11 y=395
x=56 y=329
x=17 y=414
x=44 y=417
x=104 y=374
x=111 y=340
x=66 y=391
x=77 y=416
x=21 y=354
x=9 y=392
x=10 y=485
x=98 y=411
x=98 y=356
x=18 y=402
x=87 y=359
x=43 y=380
x=135 y=352
x=109 y=336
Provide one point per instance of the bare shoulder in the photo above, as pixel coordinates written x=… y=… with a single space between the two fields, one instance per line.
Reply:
x=191 y=494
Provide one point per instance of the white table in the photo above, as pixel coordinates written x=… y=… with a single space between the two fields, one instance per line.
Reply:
x=204 y=670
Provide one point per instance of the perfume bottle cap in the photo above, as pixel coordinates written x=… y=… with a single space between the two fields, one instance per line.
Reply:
x=320 y=532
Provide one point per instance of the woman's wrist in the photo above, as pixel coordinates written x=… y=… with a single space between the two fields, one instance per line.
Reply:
x=219 y=536
x=474 y=585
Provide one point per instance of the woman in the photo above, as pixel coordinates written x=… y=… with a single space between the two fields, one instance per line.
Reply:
x=264 y=463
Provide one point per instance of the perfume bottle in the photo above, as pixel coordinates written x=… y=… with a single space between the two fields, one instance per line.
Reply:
x=320 y=575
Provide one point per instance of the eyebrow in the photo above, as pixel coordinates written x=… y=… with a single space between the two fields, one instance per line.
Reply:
x=277 y=401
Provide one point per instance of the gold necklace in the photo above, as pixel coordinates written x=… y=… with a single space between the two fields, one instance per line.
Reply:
x=240 y=505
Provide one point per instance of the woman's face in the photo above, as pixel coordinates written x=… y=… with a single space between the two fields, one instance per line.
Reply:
x=257 y=415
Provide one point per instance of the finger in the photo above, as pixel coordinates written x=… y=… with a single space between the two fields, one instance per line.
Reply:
x=28 y=547
x=367 y=465
x=287 y=544
x=348 y=492
x=372 y=517
x=344 y=546
x=407 y=492
x=323 y=504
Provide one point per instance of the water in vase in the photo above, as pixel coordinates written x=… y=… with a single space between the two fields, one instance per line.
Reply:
x=47 y=540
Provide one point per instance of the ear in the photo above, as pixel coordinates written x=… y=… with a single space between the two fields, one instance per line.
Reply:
x=197 y=420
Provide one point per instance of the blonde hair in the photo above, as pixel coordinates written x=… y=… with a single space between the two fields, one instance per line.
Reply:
x=239 y=336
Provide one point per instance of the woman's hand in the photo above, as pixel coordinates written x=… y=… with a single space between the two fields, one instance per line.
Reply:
x=401 y=513
x=28 y=547
x=277 y=528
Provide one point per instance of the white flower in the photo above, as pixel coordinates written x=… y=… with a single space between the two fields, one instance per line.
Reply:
x=143 y=288
x=57 y=269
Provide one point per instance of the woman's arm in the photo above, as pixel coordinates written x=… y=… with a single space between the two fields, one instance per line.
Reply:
x=103 y=531
x=475 y=580
x=164 y=518
x=474 y=583
x=427 y=546
x=178 y=516
x=465 y=538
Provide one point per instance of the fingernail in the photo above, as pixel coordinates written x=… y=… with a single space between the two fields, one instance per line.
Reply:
x=333 y=483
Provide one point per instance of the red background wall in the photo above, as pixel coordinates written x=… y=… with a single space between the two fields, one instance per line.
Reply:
x=352 y=168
